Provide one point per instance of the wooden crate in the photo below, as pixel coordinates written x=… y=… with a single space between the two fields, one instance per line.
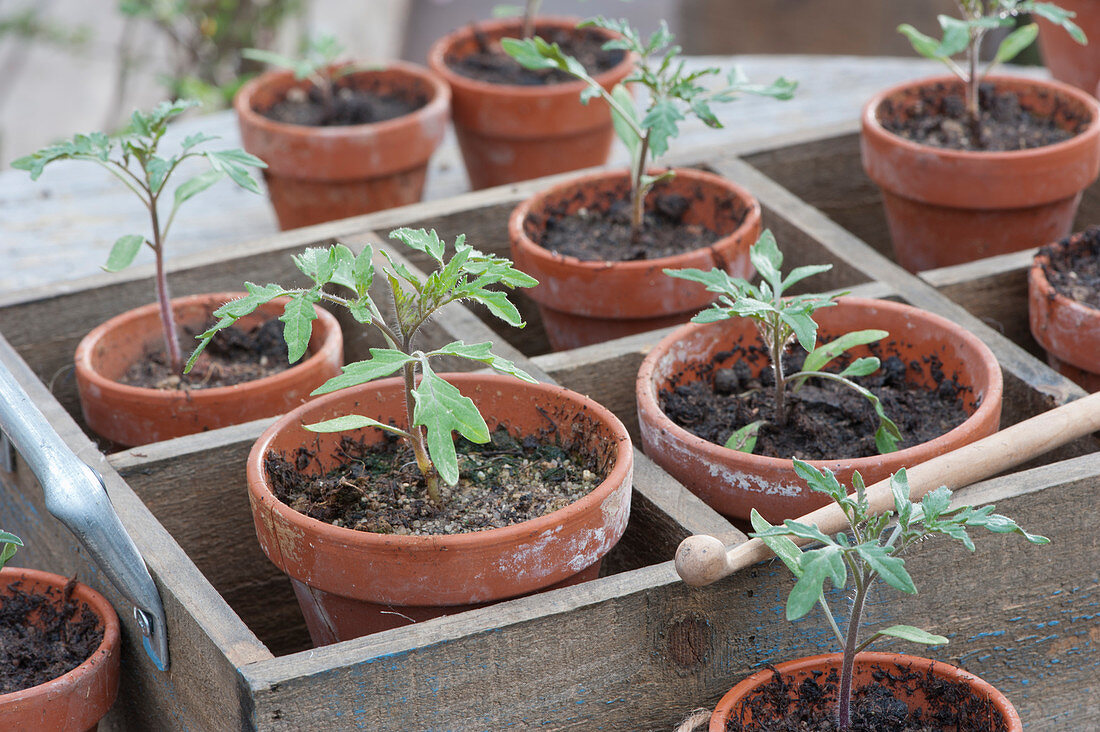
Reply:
x=634 y=650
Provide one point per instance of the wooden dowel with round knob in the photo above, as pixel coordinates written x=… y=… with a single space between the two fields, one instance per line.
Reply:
x=701 y=560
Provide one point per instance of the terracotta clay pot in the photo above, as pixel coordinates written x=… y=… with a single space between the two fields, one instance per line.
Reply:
x=131 y=415
x=585 y=302
x=350 y=583
x=317 y=174
x=1069 y=330
x=1067 y=59
x=734 y=482
x=984 y=705
x=946 y=207
x=509 y=132
x=80 y=698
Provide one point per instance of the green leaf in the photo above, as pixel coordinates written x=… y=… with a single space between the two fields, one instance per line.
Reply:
x=817 y=565
x=196 y=139
x=422 y=241
x=232 y=163
x=626 y=128
x=903 y=506
x=194 y=186
x=820 y=481
x=781 y=546
x=744 y=439
x=914 y=635
x=804 y=327
x=956 y=36
x=768 y=260
x=352 y=422
x=481 y=353
x=1056 y=15
x=499 y=305
x=662 y=120
x=9 y=544
x=924 y=45
x=317 y=264
x=861 y=367
x=800 y=273
x=298 y=317
x=888 y=567
x=1015 y=42
x=822 y=355
x=441 y=409
x=527 y=52
x=382 y=362
x=123 y=252
x=363 y=271
x=342 y=262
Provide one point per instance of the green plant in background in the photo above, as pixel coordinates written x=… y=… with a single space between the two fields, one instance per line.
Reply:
x=9 y=544
x=317 y=64
x=673 y=93
x=964 y=35
x=781 y=320
x=206 y=38
x=870 y=552
x=433 y=407
x=529 y=11
x=132 y=157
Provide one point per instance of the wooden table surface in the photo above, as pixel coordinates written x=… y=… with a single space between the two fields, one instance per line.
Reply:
x=62 y=226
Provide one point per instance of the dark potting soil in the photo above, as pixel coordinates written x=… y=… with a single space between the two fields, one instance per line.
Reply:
x=1074 y=268
x=603 y=232
x=233 y=357
x=826 y=419
x=491 y=64
x=876 y=707
x=357 y=100
x=55 y=644
x=379 y=489
x=939 y=119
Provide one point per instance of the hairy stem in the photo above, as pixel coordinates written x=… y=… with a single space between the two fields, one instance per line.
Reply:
x=637 y=191
x=780 y=380
x=416 y=438
x=164 y=298
x=844 y=705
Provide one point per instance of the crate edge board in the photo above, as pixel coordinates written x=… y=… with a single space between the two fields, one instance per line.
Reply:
x=288 y=683
x=912 y=289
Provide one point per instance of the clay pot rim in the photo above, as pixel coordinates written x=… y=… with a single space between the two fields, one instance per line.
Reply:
x=991 y=400
x=438 y=52
x=1087 y=137
x=523 y=242
x=1046 y=290
x=437 y=106
x=98 y=604
x=332 y=341
x=942 y=669
x=264 y=500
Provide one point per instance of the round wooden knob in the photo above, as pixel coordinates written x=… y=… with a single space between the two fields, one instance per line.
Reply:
x=701 y=560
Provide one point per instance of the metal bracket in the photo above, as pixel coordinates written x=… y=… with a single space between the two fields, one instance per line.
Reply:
x=76 y=495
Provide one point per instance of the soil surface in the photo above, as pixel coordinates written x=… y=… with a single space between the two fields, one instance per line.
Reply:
x=826 y=420
x=491 y=64
x=1074 y=269
x=879 y=706
x=379 y=488
x=233 y=357
x=356 y=100
x=939 y=119
x=603 y=233
x=56 y=644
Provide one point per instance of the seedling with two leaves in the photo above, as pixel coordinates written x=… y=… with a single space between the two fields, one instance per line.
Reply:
x=132 y=157
x=871 y=551
x=317 y=64
x=673 y=92
x=781 y=320
x=964 y=35
x=433 y=407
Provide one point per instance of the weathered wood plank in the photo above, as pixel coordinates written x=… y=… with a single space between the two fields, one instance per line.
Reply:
x=662 y=648
x=206 y=639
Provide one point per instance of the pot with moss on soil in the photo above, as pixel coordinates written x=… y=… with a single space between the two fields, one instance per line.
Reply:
x=130 y=394
x=47 y=684
x=973 y=165
x=863 y=385
x=597 y=282
x=340 y=140
x=1064 y=305
x=513 y=123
